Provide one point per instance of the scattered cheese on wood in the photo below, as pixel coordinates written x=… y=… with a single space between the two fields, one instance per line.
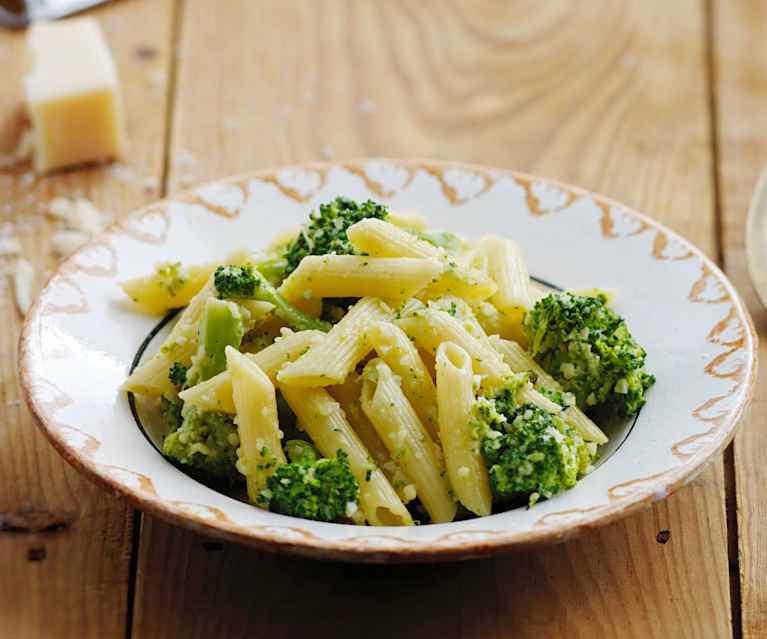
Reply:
x=9 y=245
x=23 y=281
x=77 y=214
x=23 y=151
x=73 y=95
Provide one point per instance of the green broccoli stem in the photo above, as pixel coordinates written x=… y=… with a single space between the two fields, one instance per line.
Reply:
x=284 y=310
x=222 y=325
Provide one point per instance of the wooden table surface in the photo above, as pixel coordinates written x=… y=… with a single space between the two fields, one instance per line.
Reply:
x=662 y=105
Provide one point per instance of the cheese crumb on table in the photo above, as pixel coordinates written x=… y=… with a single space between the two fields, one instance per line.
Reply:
x=23 y=282
x=73 y=95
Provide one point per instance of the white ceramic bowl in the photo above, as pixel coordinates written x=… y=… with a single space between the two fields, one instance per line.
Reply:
x=79 y=341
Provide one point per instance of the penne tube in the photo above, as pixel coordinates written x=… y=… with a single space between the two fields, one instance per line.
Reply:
x=407 y=220
x=348 y=396
x=323 y=420
x=170 y=286
x=258 y=311
x=258 y=427
x=430 y=327
x=395 y=348
x=528 y=395
x=396 y=278
x=382 y=239
x=216 y=393
x=506 y=266
x=463 y=457
x=590 y=432
x=520 y=361
x=408 y=442
x=329 y=362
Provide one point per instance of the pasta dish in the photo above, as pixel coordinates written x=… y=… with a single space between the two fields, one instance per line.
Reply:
x=366 y=369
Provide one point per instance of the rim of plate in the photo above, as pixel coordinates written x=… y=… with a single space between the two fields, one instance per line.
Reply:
x=387 y=547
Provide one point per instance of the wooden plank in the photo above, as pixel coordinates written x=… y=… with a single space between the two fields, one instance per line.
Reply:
x=740 y=30
x=608 y=95
x=65 y=545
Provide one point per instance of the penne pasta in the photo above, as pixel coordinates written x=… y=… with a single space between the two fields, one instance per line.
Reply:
x=348 y=396
x=329 y=362
x=409 y=444
x=393 y=278
x=407 y=220
x=430 y=327
x=395 y=348
x=258 y=428
x=170 y=286
x=463 y=458
x=506 y=266
x=323 y=420
x=382 y=239
x=258 y=311
x=216 y=393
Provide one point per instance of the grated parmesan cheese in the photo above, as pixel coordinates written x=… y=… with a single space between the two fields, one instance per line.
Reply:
x=9 y=246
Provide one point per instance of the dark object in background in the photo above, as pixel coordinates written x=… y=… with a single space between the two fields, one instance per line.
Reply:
x=19 y=13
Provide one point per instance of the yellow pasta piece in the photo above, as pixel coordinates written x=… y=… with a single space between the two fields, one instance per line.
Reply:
x=216 y=392
x=430 y=327
x=258 y=427
x=506 y=265
x=409 y=444
x=407 y=219
x=460 y=444
x=170 y=286
x=323 y=420
x=330 y=361
x=400 y=354
x=319 y=276
x=382 y=239
x=348 y=396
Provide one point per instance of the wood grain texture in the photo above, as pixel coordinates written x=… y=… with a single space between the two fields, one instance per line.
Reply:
x=64 y=544
x=740 y=30
x=611 y=96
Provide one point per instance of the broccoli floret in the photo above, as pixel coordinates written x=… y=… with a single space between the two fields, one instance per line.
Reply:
x=326 y=231
x=206 y=444
x=171 y=413
x=177 y=374
x=235 y=281
x=590 y=351
x=247 y=282
x=311 y=487
x=529 y=452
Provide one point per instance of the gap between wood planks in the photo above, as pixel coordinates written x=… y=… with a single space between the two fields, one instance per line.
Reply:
x=175 y=39
x=730 y=498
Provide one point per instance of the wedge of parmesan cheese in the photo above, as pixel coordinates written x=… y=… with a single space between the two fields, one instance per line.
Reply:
x=73 y=95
